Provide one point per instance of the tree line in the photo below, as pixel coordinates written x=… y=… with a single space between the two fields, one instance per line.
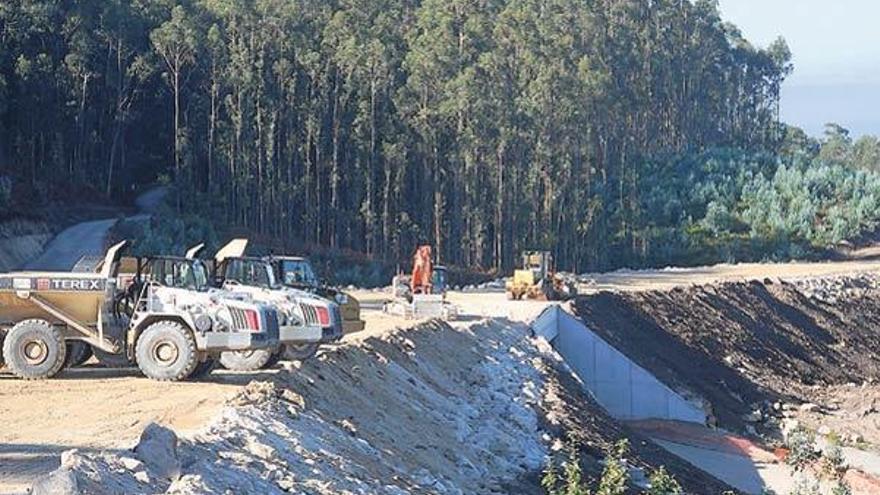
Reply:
x=482 y=127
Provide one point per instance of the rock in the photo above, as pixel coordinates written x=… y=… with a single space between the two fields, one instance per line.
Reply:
x=824 y=430
x=131 y=463
x=157 y=449
x=62 y=481
x=855 y=438
x=70 y=459
x=261 y=450
x=754 y=417
x=142 y=477
x=809 y=407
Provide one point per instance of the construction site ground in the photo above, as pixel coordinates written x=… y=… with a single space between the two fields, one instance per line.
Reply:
x=359 y=420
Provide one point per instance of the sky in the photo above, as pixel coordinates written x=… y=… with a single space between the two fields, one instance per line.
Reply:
x=836 y=53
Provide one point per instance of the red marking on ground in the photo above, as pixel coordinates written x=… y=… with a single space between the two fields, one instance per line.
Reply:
x=703 y=437
x=862 y=483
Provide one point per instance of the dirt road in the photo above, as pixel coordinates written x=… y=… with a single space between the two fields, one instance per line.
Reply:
x=88 y=238
x=83 y=239
x=663 y=279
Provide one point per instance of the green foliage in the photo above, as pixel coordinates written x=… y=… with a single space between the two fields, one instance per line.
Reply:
x=802 y=453
x=841 y=488
x=550 y=479
x=166 y=234
x=833 y=461
x=573 y=474
x=662 y=483
x=483 y=127
x=615 y=476
x=805 y=486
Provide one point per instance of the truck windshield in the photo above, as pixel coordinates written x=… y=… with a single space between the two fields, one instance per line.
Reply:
x=180 y=274
x=248 y=272
x=298 y=272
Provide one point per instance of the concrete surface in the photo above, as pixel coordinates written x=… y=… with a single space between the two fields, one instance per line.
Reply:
x=738 y=471
x=626 y=390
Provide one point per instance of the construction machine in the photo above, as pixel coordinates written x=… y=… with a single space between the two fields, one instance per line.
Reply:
x=160 y=316
x=421 y=294
x=296 y=272
x=537 y=280
x=307 y=320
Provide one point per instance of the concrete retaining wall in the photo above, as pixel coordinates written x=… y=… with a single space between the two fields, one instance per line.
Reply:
x=626 y=390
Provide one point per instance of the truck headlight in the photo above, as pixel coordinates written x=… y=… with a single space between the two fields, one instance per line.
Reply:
x=204 y=323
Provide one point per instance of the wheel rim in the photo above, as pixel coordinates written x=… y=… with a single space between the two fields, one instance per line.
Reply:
x=165 y=353
x=35 y=352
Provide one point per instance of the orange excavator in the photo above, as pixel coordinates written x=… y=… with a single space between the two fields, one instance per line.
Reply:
x=423 y=271
x=423 y=293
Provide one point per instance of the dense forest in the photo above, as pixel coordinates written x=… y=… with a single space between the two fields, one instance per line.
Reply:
x=614 y=132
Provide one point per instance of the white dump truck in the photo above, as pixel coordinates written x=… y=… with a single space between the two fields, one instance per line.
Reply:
x=307 y=320
x=163 y=317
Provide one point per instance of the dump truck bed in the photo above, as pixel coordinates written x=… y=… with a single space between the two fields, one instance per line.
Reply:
x=79 y=295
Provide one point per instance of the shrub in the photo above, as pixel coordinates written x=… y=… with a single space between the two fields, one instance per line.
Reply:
x=662 y=483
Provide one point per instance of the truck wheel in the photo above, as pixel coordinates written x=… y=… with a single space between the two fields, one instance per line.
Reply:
x=78 y=352
x=34 y=350
x=299 y=352
x=166 y=351
x=204 y=368
x=2 y=336
x=247 y=360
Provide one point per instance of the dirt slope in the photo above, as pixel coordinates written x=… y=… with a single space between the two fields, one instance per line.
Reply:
x=736 y=344
x=431 y=409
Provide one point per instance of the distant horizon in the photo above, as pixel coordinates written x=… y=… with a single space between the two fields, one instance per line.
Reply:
x=836 y=53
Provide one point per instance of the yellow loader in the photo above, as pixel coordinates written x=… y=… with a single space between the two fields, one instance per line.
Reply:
x=537 y=280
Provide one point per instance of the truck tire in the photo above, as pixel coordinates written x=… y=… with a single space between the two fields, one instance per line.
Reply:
x=78 y=352
x=166 y=351
x=34 y=350
x=247 y=360
x=204 y=368
x=2 y=337
x=299 y=352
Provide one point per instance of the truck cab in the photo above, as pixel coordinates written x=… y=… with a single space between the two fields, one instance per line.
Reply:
x=307 y=320
x=297 y=273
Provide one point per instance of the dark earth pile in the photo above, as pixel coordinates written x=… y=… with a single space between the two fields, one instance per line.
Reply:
x=741 y=344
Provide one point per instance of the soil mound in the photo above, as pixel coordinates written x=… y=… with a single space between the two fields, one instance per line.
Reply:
x=738 y=345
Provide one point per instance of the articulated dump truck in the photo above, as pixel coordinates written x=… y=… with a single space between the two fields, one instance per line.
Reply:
x=307 y=320
x=159 y=314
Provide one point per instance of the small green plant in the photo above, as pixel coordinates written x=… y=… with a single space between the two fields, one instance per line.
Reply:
x=805 y=486
x=801 y=444
x=662 y=483
x=550 y=480
x=841 y=488
x=615 y=475
x=573 y=473
x=833 y=462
